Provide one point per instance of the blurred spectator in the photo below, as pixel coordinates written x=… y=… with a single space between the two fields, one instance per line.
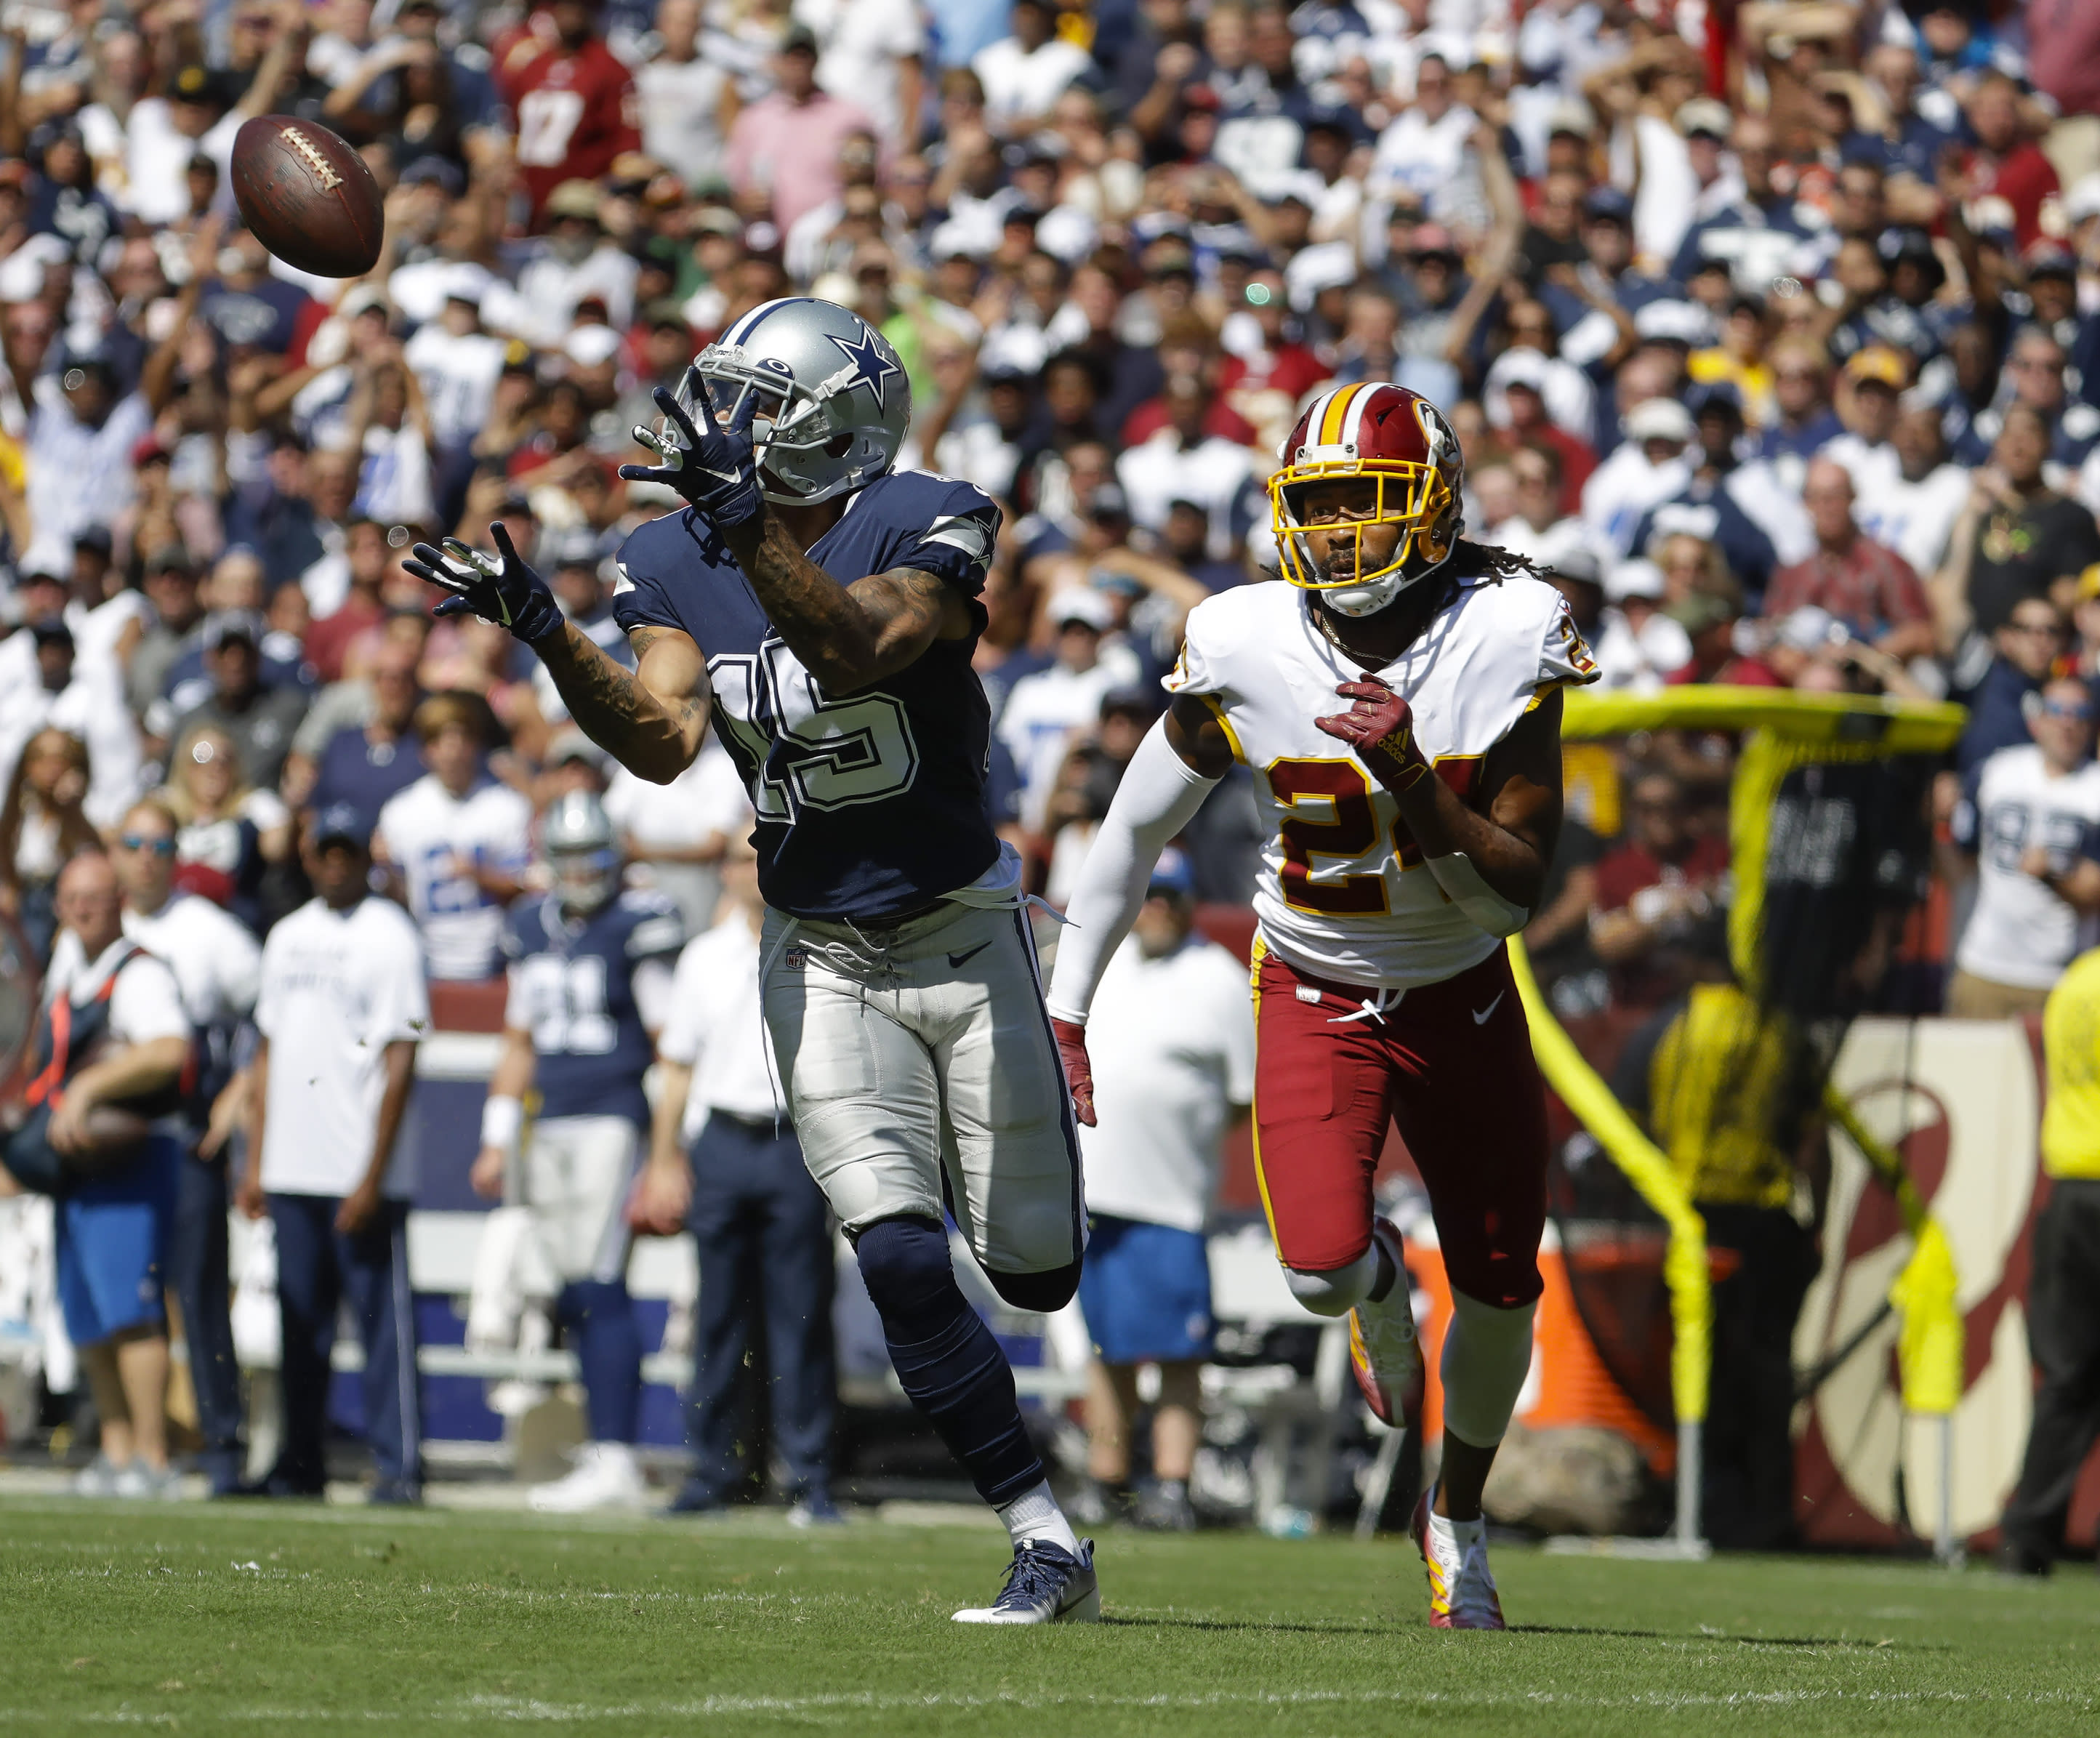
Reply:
x=1174 y=1028
x=676 y=835
x=85 y=703
x=364 y=764
x=2028 y=817
x=783 y=150
x=124 y=1043
x=575 y=103
x=2016 y=537
x=1024 y=74
x=724 y=1163
x=217 y=965
x=1866 y=586
x=231 y=832
x=1659 y=916
x=455 y=844
x=343 y=1006
x=43 y=825
x=257 y=721
x=1046 y=708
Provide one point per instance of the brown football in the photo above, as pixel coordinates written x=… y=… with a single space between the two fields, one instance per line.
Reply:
x=307 y=196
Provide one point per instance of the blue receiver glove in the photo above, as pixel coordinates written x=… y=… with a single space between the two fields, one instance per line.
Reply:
x=506 y=591
x=716 y=472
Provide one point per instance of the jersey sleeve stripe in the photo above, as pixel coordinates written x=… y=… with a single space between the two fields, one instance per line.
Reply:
x=1224 y=724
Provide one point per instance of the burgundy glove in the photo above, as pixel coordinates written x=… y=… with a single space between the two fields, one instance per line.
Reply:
x=1379 y=725
x=1079 y=1071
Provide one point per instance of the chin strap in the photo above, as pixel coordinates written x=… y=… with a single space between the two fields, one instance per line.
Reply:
x=1482 y=905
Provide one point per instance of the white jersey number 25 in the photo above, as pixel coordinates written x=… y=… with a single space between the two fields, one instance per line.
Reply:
x=814 y=752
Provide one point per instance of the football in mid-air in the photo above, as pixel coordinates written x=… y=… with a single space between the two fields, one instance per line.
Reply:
x=307 y=196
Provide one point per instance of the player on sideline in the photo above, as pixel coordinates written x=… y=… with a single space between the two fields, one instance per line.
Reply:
x=1409 y=831
x=590 y=973
x=898 y=975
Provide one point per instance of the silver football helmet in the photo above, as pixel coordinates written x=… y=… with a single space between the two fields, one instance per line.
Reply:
x=582 y=850
x=833 y=402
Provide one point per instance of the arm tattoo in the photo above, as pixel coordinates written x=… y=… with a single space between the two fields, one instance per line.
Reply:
x=845 y=637
x=614 y=709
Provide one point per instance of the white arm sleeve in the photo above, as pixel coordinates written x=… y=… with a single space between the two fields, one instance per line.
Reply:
x=1158 y=796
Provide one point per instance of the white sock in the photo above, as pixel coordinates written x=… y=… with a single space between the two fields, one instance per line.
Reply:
x=1463 y=1534
x=1035 y=1514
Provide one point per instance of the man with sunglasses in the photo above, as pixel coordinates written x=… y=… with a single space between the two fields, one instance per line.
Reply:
x=2026 y=827
x=217 y=965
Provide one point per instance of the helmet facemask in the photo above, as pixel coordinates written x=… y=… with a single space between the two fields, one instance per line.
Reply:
x=585 y=881
x=805 y=454
x=1413 y=497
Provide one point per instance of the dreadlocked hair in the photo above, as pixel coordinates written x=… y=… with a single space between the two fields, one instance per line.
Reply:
x=1492 y=562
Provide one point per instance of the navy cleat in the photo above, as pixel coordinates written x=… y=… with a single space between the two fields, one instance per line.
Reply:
x=1045 y=1584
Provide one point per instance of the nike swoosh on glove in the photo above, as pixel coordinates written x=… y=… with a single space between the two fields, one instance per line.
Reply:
x=1379 y=725
x=507 y=592
x=1078 y=1069
x=716 y=473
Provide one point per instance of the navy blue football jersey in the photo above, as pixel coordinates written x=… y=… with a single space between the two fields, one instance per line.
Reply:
x=868 y=804
x=572 y=989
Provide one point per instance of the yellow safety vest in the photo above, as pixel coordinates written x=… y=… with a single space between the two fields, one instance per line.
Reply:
x=2071 y=1038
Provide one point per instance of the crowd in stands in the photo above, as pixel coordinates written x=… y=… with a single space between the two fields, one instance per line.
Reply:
x=1772 y=331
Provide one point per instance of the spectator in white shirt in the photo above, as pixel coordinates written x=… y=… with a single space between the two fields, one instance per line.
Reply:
x=83 y=701
x=724 y=1163
x=1045 y=709
x=1024 y=74
x=1174 y=1025
x=126 y=1042
x=456 y=843
x=869 y=52
x=343 y=1006
x=217 y=969
x=1648 y=468
x=2027 y=828
x=689 y=98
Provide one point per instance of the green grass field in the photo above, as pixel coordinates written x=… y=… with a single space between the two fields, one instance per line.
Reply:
x=246 y=1618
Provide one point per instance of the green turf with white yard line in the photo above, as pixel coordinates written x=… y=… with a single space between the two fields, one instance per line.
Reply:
x=247 y=1618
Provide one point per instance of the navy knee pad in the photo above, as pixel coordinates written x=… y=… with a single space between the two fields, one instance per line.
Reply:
x=1046 y=1292
x=905 y=1264
x=946 y=1361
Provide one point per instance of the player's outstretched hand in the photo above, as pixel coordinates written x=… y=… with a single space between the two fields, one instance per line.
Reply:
x=506 y=591
x=1379 y=725
x=1078 y=1070
x=716 y=471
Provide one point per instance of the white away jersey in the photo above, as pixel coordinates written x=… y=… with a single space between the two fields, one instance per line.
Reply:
x=2020 y=932
x=1344 y=893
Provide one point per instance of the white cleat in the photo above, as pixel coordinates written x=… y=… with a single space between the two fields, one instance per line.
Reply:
x=1385 y=1354
x=606 y=1476
x=1045 y=1583
x=1462 y=1587
x=140 y=1481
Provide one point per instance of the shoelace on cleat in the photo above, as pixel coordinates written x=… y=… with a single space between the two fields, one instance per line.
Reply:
x=1036 y=1573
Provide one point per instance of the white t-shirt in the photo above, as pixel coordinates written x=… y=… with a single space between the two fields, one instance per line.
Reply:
x=1620 y=490
x=458 y=374
x=2020 y=932
x=1915 y=519
x=1172 y=1041
x=1020 y=86
x=859 y=43
x=706 y=799
x=216 y=963
x=431 y=836
x=147 y=1003
x=338 y=988
x=718 y=1028
x=1041 y=716
x=680 y=102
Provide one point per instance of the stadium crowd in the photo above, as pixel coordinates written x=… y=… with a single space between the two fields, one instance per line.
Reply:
x=1770 y=330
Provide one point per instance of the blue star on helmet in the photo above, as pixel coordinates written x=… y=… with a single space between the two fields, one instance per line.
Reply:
x=873 y=369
